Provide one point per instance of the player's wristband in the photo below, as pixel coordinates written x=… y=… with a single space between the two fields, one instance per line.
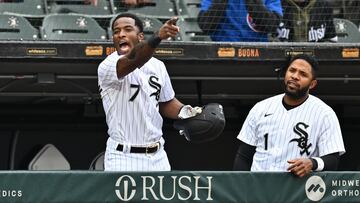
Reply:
x=154 y=40
x=319 y=162
x=314 y=164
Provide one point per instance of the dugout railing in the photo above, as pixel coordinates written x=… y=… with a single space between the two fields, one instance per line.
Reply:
x=177 y=187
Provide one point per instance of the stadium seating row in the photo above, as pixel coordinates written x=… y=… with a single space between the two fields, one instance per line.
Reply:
x=92 y=22
x=346 y=30
x=161 y=9
x=83 y=27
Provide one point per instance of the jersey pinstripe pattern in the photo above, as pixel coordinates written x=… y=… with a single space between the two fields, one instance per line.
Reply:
x=309 y=130
x=131 y=106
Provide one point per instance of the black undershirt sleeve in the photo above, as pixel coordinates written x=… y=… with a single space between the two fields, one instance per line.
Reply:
x=331 y=162
x=244 y=157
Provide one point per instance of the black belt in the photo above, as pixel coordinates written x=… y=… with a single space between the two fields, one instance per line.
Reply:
x=145 y=150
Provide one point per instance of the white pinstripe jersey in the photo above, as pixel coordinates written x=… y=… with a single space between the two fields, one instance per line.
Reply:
x=309 y=130
x=131 y=103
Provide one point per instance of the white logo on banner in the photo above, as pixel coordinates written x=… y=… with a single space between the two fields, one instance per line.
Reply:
x=126 y=192
x=315 y=188
x=156 y=188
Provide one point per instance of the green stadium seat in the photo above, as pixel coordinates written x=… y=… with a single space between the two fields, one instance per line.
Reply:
x=346 y=30
x=71 y=27
x=151 y=25
x=13 y=27
x=161 y=9
x=188 y=8
x=103 y=7
x=28 y=8
x=190 y=31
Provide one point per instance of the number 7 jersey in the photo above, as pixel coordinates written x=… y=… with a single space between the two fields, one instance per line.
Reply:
x=131 y=103
x=308 y=130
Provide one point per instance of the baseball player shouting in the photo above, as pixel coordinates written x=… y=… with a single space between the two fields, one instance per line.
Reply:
x=295 y=131
x=136 y=90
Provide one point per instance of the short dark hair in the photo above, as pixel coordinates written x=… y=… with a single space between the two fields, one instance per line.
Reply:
x=308 y=58
x=138 y=21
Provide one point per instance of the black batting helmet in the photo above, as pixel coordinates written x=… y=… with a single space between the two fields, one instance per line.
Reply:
x=205 y=126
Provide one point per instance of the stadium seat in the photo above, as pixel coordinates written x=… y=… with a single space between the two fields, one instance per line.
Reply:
x=49 y=158
x=30 y=8
x=71 y=27
x=346 y=30
x=188 y=8
x=190 y=31
x=98 y=162
x=151 y=25
x=102 y=8
x=13 y=27
x=161 y=9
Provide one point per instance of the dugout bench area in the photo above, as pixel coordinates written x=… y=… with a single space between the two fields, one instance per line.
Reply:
x=49 y=94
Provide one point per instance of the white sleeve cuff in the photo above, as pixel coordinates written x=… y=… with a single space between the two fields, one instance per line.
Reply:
x=320 y=163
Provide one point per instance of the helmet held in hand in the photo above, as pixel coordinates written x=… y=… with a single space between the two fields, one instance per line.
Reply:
x=203 y=127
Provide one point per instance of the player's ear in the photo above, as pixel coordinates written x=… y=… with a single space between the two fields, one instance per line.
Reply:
x=141 y=36
x=313 y=84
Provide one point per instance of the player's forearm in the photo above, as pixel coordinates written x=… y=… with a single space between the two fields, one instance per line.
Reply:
x=244 y=157
x=137 y=57
x=171 y=108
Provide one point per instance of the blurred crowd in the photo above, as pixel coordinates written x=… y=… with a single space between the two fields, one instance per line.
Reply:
x=258 y=20
x=275 y=20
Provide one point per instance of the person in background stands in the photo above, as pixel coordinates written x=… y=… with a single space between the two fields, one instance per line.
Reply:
x=136 y=2
x=307 y=21
x=91 y=2
x=239 y=20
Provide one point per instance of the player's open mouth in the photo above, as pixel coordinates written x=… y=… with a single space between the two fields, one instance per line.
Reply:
x=124 y=46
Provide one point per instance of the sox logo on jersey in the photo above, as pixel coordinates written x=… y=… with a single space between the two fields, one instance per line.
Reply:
x=303 y=140
x=153 y=82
